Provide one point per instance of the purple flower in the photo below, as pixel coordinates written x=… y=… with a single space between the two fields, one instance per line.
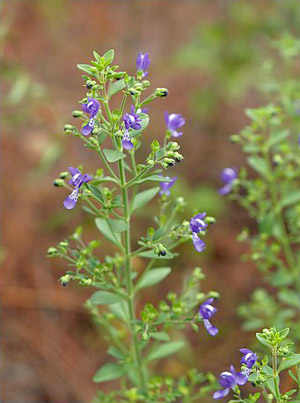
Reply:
x=228 y=175
x=166 y=186
x=126 y=141
x=87 y=129
x=92 y=108
x=142 y=63
x=206 y=312
x=139 y=110
x=249 y=357
x=174 y=121
x=77 y=180
x=131 y=121
x=197 y=224
x=228 y=380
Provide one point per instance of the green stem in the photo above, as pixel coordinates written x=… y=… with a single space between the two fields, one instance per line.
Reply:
x=275 y=372
x=137 y=352
x=100 y=152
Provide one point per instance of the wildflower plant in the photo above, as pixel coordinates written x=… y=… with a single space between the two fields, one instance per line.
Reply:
x=265 y=373
x=268 y=188
x=111 y=196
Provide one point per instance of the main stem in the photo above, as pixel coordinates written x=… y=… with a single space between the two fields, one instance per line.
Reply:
x=137 y=352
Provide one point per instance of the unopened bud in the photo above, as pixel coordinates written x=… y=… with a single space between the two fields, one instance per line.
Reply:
x=161 y=92
x=65 y=280
x=77 y=114
x=63 y=175
x=58 y=182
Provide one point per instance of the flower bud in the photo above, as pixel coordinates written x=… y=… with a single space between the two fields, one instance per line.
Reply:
x=86 y=281
x=214 y=294
x=161 y=92
x=69 y=128
x=52 y=251
x=210 y=220
x=77 y=114
x=90 y=84
x=169 y=162
x=235 y=138
x=173 y=145
x=64 y=175
x=58 y=182
x=178 y=157
x=64 y=280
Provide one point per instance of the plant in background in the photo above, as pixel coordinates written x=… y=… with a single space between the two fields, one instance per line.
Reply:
x=269 y=189
x=264 y=376
x=111 y=196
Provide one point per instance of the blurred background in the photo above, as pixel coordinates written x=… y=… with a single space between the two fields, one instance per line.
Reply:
x=210 y=54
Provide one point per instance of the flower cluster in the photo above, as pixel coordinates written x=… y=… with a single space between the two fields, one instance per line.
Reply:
x=206 y=312
x=92 y=108
x=230 y=379
x=77 y=180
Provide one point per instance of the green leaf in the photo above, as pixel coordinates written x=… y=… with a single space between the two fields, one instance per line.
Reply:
x=121 y=310
x=290 y=198
x=289 y=297
x=101 y=137
x=165 y=349
x=86 y=68
x=108 y=372
x=97 y=57
x=153 y=178
x=162 y=336
x=116 y=87
x=109 y=56
x=96 y=192
x=262 y=340
x=113 y=155
x=115 y=352
x=289 y=362
x=106 y=230
x=104 y=298
x=277 y=137
x=144 y=123
x=144 y=197
x=259 y=165
x=118 y=225
x=151 y=255
x=152 y=277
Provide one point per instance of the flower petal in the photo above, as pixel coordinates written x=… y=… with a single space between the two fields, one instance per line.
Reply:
x=74 y=171
x=241 y=378
x=212 y=330
x=198 y=243
x=70 y=202
x=219 y=394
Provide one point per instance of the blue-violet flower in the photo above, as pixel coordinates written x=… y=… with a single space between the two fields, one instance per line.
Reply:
x=142 y=63
x=92 y=108
x=228 y=175
x=206 y=312
x=77 y=180
x=174 y=121
x=131 y=121
x=249 y=357
x=139 y=110
x=166 y=186
x=228 y=380
x=126 y=141
x=197 y=224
